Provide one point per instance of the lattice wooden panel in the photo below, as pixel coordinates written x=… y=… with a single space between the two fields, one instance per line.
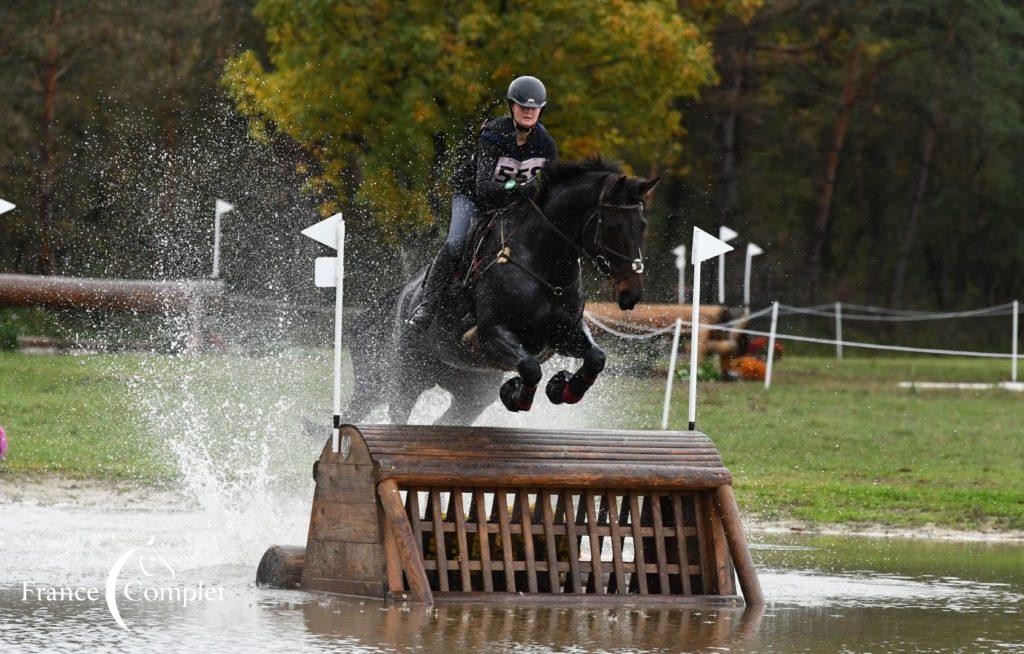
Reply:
x=543 y=540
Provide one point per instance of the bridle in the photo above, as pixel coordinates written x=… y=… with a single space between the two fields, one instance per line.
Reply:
x=599 y=256
x=601 y=252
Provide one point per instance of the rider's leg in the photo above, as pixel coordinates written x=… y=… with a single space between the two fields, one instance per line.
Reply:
x=445 y=263
x=570 y=388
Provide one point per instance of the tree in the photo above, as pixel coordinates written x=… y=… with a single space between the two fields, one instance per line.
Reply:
x=384 y=94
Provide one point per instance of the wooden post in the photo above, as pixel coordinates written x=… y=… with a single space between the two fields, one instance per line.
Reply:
x=398 y=523
x=738 y=546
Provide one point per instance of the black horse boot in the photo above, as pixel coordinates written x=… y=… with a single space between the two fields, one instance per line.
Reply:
x=438 y=278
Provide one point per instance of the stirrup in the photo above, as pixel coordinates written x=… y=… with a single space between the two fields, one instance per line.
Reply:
x=421 y=317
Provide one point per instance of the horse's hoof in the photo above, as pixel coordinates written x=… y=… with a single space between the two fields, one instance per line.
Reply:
x=556 y=386
x=516 y=395
x=510 y=393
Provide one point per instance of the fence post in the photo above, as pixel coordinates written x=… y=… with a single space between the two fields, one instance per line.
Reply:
x=771 y=345
x=839 y=330
x=1016 y=339
x=671 y=374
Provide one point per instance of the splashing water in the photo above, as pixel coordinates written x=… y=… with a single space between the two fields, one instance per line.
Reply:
x=231 y=421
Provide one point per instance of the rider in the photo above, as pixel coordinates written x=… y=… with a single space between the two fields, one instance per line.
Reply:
x=509 y=153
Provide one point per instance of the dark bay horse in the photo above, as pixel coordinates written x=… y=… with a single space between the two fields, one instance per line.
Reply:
x=523 y=302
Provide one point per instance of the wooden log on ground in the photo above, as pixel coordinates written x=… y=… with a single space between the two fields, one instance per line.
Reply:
x=281 y=567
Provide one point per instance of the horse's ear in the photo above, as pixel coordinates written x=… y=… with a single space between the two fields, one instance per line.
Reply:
x=647 y=186
x=615 y=186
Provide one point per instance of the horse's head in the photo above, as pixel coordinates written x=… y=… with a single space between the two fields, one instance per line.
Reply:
x=614 y=235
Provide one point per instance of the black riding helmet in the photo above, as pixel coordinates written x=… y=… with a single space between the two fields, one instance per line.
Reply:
x=526 y=91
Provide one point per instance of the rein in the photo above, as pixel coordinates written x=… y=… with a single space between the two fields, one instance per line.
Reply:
x=600 y=260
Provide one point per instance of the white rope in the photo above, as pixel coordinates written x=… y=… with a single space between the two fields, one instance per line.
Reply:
x=999 y=310
x=822 y=341
x=633 y=337
x=896 y=312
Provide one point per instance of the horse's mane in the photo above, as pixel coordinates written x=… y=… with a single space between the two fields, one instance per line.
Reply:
x=559 y=172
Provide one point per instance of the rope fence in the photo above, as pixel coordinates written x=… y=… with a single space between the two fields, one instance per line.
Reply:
x=615 y=328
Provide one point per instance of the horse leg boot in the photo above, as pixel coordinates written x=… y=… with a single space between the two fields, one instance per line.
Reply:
x=503 y=348
x=568 y=388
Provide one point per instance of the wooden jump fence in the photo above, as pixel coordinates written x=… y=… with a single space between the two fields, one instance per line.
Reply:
x=487 y=514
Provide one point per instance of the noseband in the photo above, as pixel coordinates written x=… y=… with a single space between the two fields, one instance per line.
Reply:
x=601 y=260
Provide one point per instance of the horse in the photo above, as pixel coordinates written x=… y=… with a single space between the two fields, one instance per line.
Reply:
x=520 y=302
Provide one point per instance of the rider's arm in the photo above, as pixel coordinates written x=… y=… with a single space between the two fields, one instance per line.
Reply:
x=489 y=191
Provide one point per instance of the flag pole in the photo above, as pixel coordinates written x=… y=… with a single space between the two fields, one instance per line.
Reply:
x=694 y=330
x=339 y=301
x=671 y=373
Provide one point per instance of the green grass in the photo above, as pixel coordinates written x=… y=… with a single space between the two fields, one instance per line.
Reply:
x=70 y=415
x=831 y=442
x=840 y=442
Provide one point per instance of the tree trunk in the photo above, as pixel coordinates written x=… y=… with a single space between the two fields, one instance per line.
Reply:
x=727 y=195
x=848 y=98
x=913 y=215
x=47 y=146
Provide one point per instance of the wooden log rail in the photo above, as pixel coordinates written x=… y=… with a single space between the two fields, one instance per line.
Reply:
x=83 y=292
x=486 y=514
x=646 y=317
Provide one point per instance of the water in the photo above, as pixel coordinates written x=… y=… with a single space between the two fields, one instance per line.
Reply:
x=825 y=594
x=230 y=425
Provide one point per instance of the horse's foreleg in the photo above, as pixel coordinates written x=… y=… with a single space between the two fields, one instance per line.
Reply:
x=503 y=348
x=568 y=388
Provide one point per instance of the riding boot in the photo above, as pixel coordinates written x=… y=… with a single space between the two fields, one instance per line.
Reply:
x=436 y=286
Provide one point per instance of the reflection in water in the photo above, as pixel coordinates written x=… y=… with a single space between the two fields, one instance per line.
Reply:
x=470 y=628
x=825 y=595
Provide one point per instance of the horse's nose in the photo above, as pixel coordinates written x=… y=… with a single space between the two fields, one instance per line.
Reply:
x=628 y=296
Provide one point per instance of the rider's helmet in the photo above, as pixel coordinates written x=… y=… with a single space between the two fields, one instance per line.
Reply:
x=527 y=91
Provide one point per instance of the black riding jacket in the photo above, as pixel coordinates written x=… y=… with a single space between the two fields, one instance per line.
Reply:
x=498 y=158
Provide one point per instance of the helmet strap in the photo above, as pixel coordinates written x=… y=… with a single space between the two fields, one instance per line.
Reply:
x=519 y=128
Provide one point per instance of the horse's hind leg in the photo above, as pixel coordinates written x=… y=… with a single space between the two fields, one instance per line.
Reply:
x=369 y=372
x=503 y=348
x=405 y=391
x=569 y=388
x=468 y=402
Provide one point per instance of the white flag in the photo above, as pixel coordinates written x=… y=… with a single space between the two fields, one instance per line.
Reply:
x=726 y=234
x=325 y=231
x=753 y=250
x=325 y=275
x=223 y=207
x=706 y=246
x=5 y=206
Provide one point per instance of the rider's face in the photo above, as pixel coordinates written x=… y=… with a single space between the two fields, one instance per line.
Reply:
x=525 y=116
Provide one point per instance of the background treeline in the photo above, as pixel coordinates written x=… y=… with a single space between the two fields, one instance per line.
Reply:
x=872 y=148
